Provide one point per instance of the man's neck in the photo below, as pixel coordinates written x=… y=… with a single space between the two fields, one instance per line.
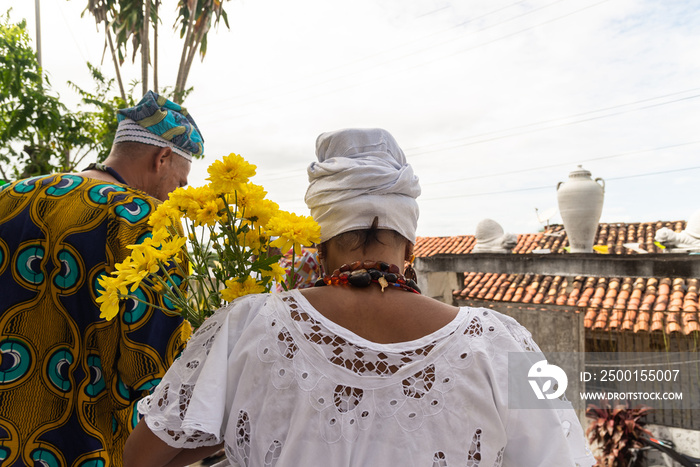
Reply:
x=103 y=172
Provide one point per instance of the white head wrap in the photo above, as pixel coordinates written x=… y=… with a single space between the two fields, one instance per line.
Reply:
x=362 y=174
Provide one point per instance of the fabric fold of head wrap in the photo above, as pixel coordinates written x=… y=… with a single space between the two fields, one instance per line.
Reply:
x=159 y=122
x=362 y=174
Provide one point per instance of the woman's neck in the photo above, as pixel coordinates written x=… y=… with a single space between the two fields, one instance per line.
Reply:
x=335 y=260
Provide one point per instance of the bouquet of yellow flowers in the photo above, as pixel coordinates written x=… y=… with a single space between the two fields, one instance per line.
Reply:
x=232 y=239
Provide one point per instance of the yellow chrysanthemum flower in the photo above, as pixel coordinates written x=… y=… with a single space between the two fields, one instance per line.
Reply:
x=208 y=213
x=125 y=265
x=226 y=214
x=205 y=193
x=252 y=239
x=173 y=247
x=247 y=195
x=133 y=277
x=292 y=230
x=262 y=211
x=230 y=173
x=162 y=217
x=137 y=266
x=109 y=305
x=186 y=331
x=159 y=236
x=109 y=298
x=277 y=272
x=184 y=199
x=154 y=240
x=189 y=200
x=235 y=288
x=146 y=256
x=112 y=284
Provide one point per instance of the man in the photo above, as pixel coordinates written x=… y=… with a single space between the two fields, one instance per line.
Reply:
x=69 y=381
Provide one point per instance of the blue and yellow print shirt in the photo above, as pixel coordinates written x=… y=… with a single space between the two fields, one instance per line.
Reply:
x=69 y=381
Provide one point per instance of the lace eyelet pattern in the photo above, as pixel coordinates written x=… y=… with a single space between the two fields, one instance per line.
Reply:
x=164 y=396
x=340 y=352
x=341 y=386
x=345 y=409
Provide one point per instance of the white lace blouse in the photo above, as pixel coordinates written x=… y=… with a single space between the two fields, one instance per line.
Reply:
x=281 y=385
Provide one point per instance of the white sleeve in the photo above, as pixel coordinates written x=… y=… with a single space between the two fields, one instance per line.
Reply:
x=546 y=437
x=543 y=436
x=188 y=407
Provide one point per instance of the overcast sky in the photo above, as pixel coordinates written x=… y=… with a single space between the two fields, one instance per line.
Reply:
x=493 y=101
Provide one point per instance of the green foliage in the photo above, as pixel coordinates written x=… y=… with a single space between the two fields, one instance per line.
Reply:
x=195 y=18
x=38 y=134
x=128 y=24
x=100 y=125
x=204 y=12
x=615 y=430
x=125 y=18
x=31 y=120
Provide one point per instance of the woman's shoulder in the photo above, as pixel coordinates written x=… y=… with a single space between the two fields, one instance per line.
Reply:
x=239 y=312
x=486 y=321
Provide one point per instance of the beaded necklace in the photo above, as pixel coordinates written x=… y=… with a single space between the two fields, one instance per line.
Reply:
x=364 y=273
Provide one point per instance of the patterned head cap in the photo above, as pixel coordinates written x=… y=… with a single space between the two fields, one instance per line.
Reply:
x=159 y=122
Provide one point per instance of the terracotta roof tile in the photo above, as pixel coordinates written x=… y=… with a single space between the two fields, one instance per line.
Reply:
x=492 y=287
x=616 y=318
x=552 y=291
x=561 y=293
x=673 y=319
x=511 y=288
x=633 y=304
x=628 y=320
x=430 y=246
x=503 y=287
x=554 y=239
x=520 y=289
x=601 y=319
x=642 y=323
x=589 y=318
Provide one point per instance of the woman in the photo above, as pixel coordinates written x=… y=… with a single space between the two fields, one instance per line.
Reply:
x=363 y=371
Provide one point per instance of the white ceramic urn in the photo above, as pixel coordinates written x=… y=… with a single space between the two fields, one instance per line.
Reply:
x=580 y=203
x=693 y=226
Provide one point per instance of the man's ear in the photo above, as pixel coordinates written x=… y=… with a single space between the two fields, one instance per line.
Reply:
x=161 y=157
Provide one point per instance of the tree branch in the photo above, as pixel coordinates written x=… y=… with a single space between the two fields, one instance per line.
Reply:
x=196 y=42
x=116 y=62
x=155 y=49
x=181 y=74
x=145 y=47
